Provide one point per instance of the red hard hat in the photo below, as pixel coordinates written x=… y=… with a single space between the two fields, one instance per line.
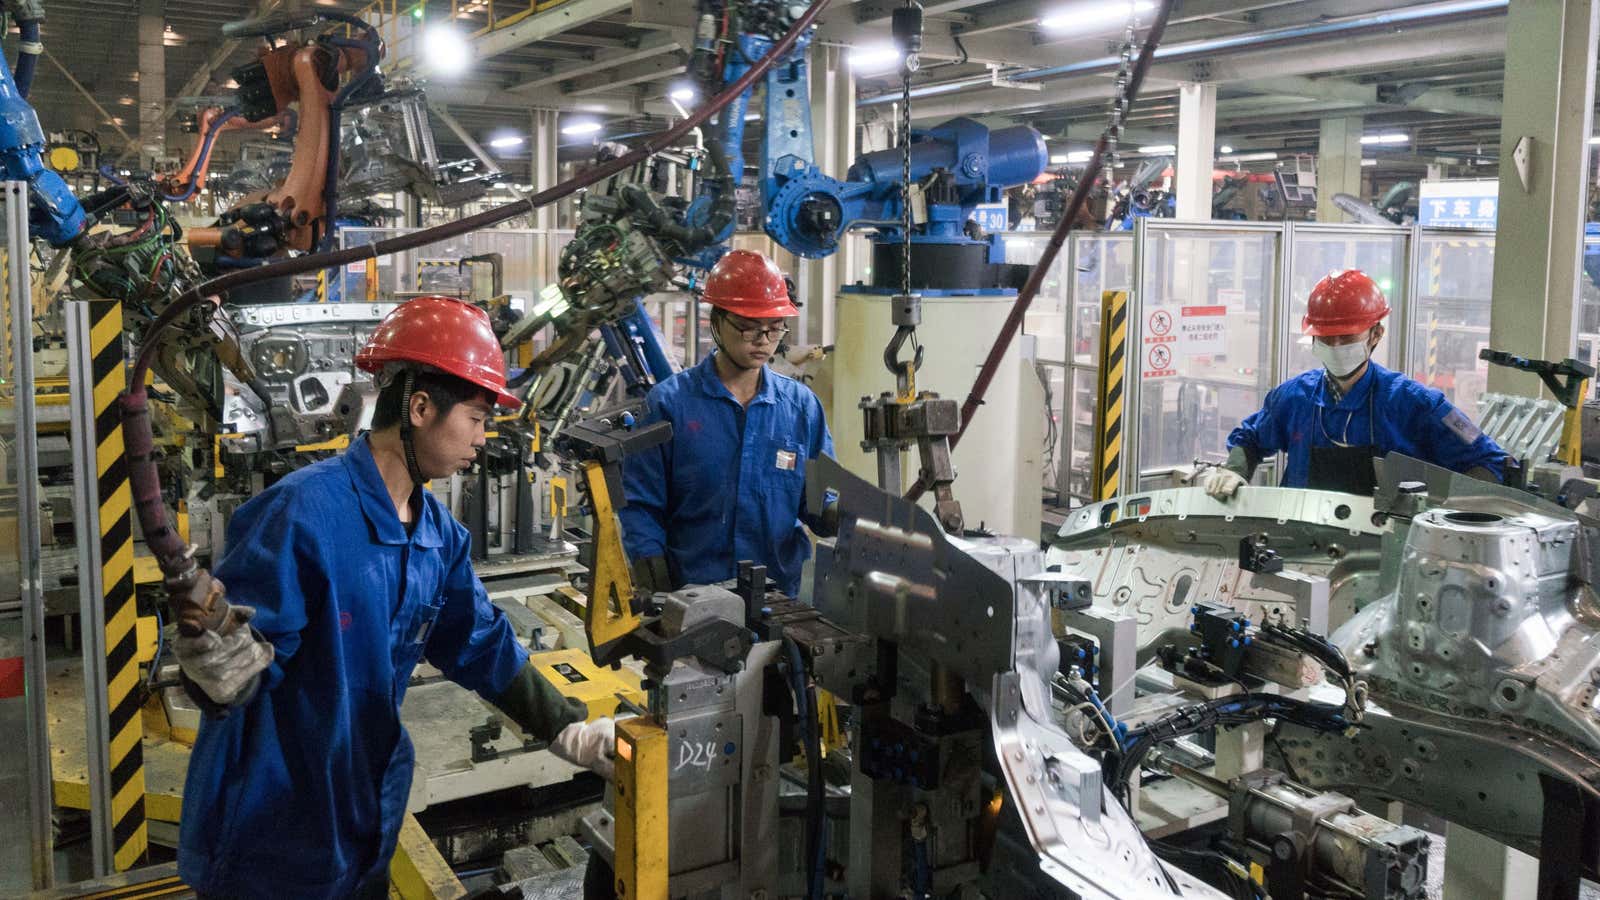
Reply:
x=442 y=333
x=750 y=285
x=1345 y=302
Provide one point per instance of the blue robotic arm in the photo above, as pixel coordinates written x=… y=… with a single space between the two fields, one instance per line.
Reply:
x=960 y=164
x=54 y=214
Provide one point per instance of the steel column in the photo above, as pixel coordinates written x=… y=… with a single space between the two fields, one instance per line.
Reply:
x=25 y=464
x=1338 y=164
x=1197 y=141
x=1549 y=111
x=152 y=81
x=833 y=127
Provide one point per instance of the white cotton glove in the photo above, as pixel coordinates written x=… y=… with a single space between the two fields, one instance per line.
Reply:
x=1221 y=483
x=225 y=666
x=592 y=745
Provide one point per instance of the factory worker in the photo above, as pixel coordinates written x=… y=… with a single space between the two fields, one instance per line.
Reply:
x=1332 y=421
x=729 y=486
x=349 y=572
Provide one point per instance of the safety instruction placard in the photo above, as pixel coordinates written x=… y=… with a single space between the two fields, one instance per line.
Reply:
x=1202 y=330
x=1160 y=343
x=1158 y=361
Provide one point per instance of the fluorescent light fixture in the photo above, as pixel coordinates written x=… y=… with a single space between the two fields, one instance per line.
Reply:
x=1158 y=148
x=1225 y=149
x=752 y=117
x=1092 y=15
x=1262 y=156
x=581 y=127
x=1072 y=157
x=1595 y=139
x=445 y=49
x=506 y=142
x=682 y=94
x=1394 y=138
x=875 y=58
x=1368 y=162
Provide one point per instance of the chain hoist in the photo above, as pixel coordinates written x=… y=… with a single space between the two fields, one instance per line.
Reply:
x=906 y=27
x=1119 y=101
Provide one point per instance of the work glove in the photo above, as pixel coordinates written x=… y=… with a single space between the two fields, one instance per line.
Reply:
x=592 y=745
x=225 y=664
x=652 y=574
x=1221 y=483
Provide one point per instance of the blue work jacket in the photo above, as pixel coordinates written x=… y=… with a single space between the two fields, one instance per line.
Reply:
x=300 y=792
x=729 y=486
x=1405 y=416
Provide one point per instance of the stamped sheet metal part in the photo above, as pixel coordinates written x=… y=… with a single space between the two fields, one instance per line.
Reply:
x=1467 y=607
x=973 y=607
x=1483 y=658
x=1156 y=554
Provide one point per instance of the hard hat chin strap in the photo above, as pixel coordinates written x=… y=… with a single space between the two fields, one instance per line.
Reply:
x=406 y=428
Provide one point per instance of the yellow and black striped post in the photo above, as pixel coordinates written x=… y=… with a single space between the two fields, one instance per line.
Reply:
x=1108 y=405
x=125 y=731
x=322 y=285
x=1432 y=378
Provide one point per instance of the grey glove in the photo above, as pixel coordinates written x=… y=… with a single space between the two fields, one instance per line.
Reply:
x=651 y=573
x=1221 y=483
x=226 y=664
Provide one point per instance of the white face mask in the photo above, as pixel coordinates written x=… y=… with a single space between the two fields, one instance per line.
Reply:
x=1341 y=360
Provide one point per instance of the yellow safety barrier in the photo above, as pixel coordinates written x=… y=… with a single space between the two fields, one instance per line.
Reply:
x=1108 y=407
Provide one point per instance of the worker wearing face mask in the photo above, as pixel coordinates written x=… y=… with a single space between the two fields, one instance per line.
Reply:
x=1333 y=421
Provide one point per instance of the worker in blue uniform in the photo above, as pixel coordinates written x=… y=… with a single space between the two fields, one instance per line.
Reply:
x=1331 y=422
x=341 y=576
x=729 y=486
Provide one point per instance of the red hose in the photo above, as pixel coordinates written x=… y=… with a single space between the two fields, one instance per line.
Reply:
x=1080 y=196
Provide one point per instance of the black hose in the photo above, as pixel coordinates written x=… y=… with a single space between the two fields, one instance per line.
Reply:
x=816 y=834
x=28 y=56
x=208 y=290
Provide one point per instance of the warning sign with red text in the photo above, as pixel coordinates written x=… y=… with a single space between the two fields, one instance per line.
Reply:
x=1202 y=331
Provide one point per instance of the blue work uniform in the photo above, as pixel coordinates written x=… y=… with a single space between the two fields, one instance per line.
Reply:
x=729 y=486
x=1383 y=409
x=300 y=792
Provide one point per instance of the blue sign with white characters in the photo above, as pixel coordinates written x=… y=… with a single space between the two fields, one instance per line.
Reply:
x=1459 y=204
x=991 y=217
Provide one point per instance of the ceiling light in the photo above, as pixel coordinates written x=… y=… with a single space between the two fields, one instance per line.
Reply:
x=506 y=142
x=752 y=117
x=584 y=126
x=1058 y=159
x=1368 y=162
x=1225 y=149
x=1093 y=15
x=874 y=59
x=1394 y=138
x=1158 y=148
x=446 y=50
x=128 y=101
x=1080 y=156
x=1261 y=156
x=682 y=94
x=1594 y=140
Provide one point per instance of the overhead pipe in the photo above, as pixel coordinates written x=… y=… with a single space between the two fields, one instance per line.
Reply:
x=1080 y=197
x=197 y=598
x=1222 y=46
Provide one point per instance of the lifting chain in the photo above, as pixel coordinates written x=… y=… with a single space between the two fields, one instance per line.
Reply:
x=1119 y=100
x=907 y=31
